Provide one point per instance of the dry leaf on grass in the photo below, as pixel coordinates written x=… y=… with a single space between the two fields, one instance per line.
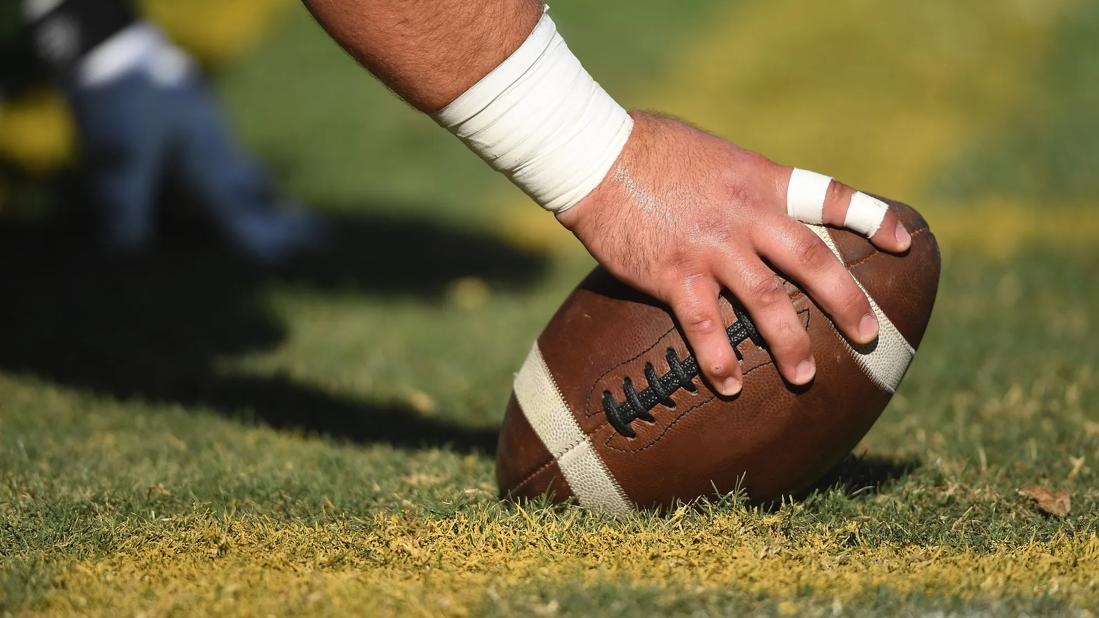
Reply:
x=1055 y=503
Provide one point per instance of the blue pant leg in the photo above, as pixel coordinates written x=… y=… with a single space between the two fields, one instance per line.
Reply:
x=123 y=145
x=236 y=192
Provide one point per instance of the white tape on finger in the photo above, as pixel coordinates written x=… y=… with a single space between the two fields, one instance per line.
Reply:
x=865 y=214
x=805 y=196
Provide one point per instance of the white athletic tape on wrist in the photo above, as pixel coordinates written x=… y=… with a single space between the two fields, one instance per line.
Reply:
x=805 y=196
x=542 y=120
x=865 y=214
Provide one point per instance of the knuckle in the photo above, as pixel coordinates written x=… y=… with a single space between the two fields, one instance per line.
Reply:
x=838 y=192
x=739 y=183
x=854 y=301
x=812 y=252
x=790 y=338
x=768 y=290
x=736 y=192
x=696 y=317
x=675 y=282
x=757 y=163
x=710 y=232
x=784 y=329
x=698 y=322
x=680 y=259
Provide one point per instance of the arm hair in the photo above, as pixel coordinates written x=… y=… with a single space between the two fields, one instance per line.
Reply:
x=428 y=51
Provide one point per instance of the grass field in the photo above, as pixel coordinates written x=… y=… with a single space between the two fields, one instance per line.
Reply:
x=199 y=436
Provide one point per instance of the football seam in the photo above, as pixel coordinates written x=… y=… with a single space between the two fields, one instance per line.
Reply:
x=686 y=412
x=587 y=405
x=588 y=410
x=607 y=442
x=542 y=468
x=602 y=425
x=876 y=251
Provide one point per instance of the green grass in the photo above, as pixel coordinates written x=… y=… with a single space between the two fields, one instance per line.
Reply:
x=196 y=435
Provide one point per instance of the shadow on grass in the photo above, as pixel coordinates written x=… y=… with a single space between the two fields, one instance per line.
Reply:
x=153 y=329
x=863 y=475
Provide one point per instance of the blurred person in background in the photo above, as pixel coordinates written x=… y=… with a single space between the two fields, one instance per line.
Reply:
x=145 y=117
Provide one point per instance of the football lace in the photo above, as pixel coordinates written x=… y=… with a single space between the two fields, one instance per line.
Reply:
x=681 y=374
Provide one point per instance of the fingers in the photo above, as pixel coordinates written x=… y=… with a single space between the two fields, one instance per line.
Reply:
x=861 y=213
x=761 y=292
x=697 y=310
x=803 y=256
x=815 y=198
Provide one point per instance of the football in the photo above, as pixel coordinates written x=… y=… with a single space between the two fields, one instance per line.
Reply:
x=609 y=409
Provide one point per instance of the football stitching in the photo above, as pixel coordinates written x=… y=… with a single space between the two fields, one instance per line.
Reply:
x=876 y=251
x=793 y=296
x=538 y=471
x=588 y=412
x=587 y=402
x=587 y=435
x=552 y=460
x=607 y=442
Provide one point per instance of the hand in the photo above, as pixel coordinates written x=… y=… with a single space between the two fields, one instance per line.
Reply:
x=683 y=214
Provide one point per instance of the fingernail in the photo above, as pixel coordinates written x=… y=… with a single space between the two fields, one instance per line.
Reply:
x=868 y=327
x=904 y=239
x=806 y=370
x=730 y=387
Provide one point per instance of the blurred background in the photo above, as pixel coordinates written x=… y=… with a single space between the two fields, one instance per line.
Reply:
x=436 y=273
x=988 y=106
x=982 y=115
x=439 y=272
x=368 y=371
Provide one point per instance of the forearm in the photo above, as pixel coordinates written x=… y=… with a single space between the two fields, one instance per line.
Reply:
x=428 y=51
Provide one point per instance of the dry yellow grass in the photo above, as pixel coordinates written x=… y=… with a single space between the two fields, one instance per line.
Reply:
x=147 y=508
x=453 y=566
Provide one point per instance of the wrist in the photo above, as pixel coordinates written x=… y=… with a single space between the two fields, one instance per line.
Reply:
x=540 y=119
x=609 y=191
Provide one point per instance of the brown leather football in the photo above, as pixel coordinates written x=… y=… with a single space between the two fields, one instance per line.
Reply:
x=609 y=409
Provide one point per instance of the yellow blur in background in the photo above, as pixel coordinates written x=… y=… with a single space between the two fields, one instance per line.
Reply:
x=215 y=30
x=36 y=132
x=945 y=74
x=884 y=98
